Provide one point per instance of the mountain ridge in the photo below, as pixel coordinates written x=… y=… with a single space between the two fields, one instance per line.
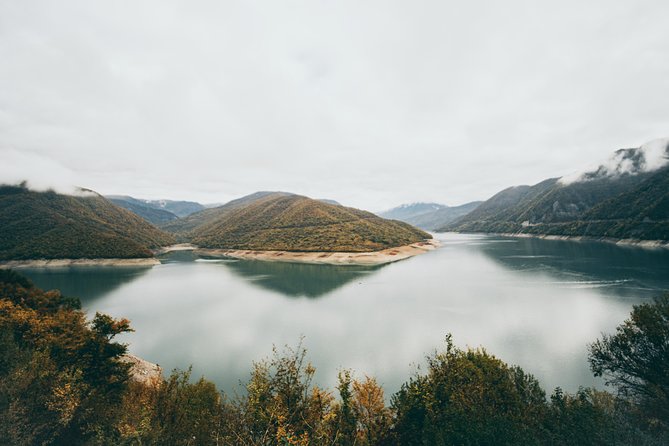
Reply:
x=428 y=216
x=627 y=197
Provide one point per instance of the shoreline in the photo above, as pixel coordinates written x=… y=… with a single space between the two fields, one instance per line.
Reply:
x=645 y=244
x=371 y=258
x=60 y=263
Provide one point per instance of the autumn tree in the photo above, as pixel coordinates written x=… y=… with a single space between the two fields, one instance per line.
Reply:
x=60 y=376
x=282 y=405
x=636 y=359
x=372 y=415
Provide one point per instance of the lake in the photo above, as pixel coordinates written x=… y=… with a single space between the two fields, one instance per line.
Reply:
x=531 y=302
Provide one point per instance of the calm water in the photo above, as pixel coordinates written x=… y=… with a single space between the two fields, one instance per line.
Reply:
x=535 y=303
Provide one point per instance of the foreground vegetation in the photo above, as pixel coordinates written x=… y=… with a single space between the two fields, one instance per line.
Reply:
x=62 y=382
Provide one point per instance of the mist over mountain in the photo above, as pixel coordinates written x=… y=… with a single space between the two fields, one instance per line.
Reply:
x=646 y=158
x=625 y=197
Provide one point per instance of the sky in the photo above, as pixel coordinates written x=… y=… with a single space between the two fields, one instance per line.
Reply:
x=370 y=103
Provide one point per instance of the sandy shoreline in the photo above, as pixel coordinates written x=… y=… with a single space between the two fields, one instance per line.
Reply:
x=59 y=263
x=325 y=258
x=649 y=244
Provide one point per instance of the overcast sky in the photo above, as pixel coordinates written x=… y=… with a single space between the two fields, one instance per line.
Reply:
x=371 y=103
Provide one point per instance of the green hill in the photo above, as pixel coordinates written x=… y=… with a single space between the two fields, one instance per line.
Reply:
x=48 y=225
x=286 y=222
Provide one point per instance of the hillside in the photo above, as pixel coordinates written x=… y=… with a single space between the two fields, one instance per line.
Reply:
x=139 y=207
x=626 y=197
x=429 y=216
x=49 y=225
x=183 y=226
x=286 y=222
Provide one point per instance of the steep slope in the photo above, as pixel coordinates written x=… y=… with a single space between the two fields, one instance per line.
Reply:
x=623 y=198
x=48 y=225
x=429 y=216
x=287 y=222
x=139 y=207
x=639 y=213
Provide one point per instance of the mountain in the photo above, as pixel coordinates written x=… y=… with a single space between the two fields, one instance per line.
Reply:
x=287 y=222
x=625 y=197
x=178 y=208
x=47 y=225
x=429 y=216
x=185 y=225
x=411 y=210
x=144 y=210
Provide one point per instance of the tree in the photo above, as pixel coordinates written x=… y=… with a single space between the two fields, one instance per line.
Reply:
x=369 y=407
x=61 y=378
x=468 y=397
x=282 y=406
x=636 y=359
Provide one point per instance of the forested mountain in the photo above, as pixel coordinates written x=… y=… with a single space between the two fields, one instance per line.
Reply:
x=429 y=216
x=282 y=221
x=147 y=212
x=626 y=197
x=49 y=225
x=177 y=208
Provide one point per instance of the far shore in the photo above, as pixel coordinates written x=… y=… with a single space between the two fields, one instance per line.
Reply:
x=59 y=263
x=648 y=244
x=325 y=258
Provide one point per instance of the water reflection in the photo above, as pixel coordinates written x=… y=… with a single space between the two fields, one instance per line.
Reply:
x=535 y=303
x=88 y=283
x=298 y=280
x=625 y=271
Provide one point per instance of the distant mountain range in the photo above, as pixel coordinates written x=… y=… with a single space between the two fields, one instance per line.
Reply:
x=47 y=225
x=289 y=222
x=429 y=216
x=156 y=211
x=626 y=197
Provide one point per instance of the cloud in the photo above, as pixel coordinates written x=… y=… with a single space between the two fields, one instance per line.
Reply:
x=370 y=103
x=41 y=173
x=647 y=158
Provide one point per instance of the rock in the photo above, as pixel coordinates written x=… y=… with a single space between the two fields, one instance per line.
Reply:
x=142 y=371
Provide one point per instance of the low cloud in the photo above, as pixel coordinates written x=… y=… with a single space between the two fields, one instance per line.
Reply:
x=39 y=172
x=647 y=158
